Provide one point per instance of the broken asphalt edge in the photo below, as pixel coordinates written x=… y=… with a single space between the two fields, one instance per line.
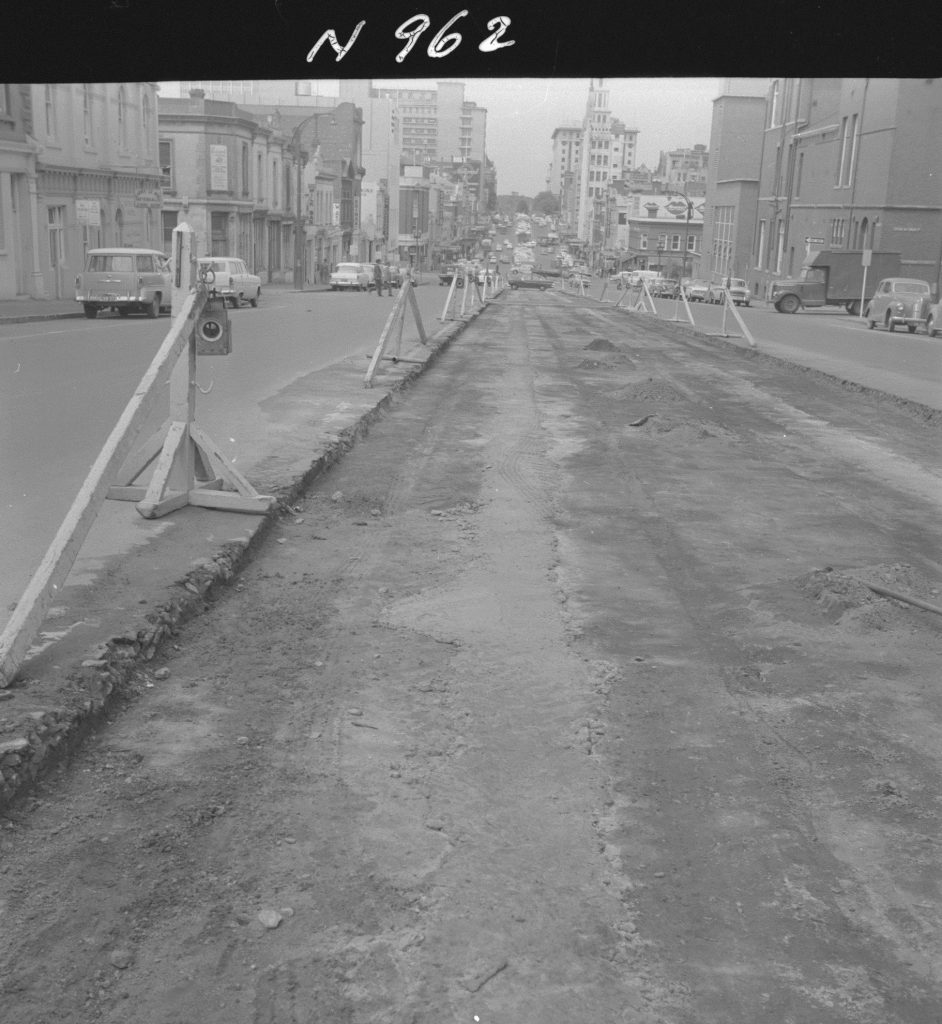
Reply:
x=41 y=739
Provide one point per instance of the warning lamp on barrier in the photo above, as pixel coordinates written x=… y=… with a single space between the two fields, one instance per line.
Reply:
x=213 y=330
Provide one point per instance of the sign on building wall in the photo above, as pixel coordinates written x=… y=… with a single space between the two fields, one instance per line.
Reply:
x=219 y=168
x=88 y=212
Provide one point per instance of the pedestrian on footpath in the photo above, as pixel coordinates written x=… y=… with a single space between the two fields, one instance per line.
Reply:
x=378 y=278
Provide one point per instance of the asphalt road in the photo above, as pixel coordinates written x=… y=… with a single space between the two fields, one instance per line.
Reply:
x=65 y=383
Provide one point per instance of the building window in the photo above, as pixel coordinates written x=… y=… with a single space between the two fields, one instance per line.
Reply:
x=166 y=163
x=260 y=178
x=51 y=127
x=56 y=224
x=274 y=186
x=146 y=122
x=119 y=227
x=838 y=227
x=779 y=244
x=798 y=173
x=87 y=115
x=722 y=240
x=844 y=151
x=122 y=119
x=774 y=96
x=168 y=220
x=691 y=243
x=760 y=253
x=245 y=169
x=852 y=141
x=675 y=243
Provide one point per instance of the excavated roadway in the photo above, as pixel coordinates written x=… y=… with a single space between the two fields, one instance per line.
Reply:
x=564 y=698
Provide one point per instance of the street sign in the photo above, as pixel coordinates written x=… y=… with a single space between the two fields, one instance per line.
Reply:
x=88 y=212
x=676 y=207
x=866 y=257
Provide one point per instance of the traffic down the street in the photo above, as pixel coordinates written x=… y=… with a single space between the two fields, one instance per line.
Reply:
x=596 y=682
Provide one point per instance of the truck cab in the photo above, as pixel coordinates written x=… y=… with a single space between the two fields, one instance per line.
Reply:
x=808 y=289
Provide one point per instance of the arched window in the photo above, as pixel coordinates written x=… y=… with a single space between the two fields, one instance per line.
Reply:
x=864 y=228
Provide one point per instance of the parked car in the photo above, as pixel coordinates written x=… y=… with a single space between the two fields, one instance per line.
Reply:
x=663 y=288
x=697 y=291
x=398 y=272
x=352 y=276
x=899 y=300
x=230 y=278
x=128 y=280
x=738 y=291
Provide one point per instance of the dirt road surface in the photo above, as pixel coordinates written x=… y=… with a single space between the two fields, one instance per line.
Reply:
x=564 y=698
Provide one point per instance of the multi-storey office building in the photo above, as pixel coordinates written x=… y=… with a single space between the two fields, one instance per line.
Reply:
x=78 y=169
x=850 y=163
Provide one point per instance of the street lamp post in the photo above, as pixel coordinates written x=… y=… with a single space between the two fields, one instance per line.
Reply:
x=298 y=222
x=689 y=203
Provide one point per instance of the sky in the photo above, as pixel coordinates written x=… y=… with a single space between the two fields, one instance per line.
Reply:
x=522 y=114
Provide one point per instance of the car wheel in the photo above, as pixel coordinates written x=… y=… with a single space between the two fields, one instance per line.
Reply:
x=911 y=328
x=90 y=311
x=853 y=308
x=236 y=301
x=153 y=308
x=890 y=326
x=931 y=328
x=788 y=304
x=254 y=302
x=124 y=311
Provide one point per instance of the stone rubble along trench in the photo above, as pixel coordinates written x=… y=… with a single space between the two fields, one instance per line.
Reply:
x=530 y=714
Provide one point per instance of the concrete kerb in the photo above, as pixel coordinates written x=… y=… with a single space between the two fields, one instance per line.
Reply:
x=114 y=671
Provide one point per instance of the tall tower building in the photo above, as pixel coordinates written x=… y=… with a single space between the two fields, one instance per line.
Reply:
x=596 y=169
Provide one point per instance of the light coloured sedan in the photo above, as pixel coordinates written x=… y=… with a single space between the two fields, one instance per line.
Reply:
x=352 y=277
x=697 y=291
x=230 y=278
x=899 y=300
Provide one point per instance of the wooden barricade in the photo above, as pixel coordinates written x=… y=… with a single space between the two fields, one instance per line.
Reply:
x=395 y=321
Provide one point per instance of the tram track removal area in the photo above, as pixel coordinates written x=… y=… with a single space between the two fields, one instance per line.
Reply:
x=571 y=693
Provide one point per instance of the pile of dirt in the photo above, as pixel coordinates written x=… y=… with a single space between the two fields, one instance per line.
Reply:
x=845 y=595
x=602 y=345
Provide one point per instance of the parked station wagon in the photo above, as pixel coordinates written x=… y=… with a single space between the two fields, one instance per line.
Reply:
x=128 y=280
x=899 y=300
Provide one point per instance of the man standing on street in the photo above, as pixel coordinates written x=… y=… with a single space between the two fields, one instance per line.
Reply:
x=378 y=278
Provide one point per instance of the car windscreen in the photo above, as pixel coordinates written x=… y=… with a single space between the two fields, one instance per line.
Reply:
x=348 y=268
x=912 y=287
